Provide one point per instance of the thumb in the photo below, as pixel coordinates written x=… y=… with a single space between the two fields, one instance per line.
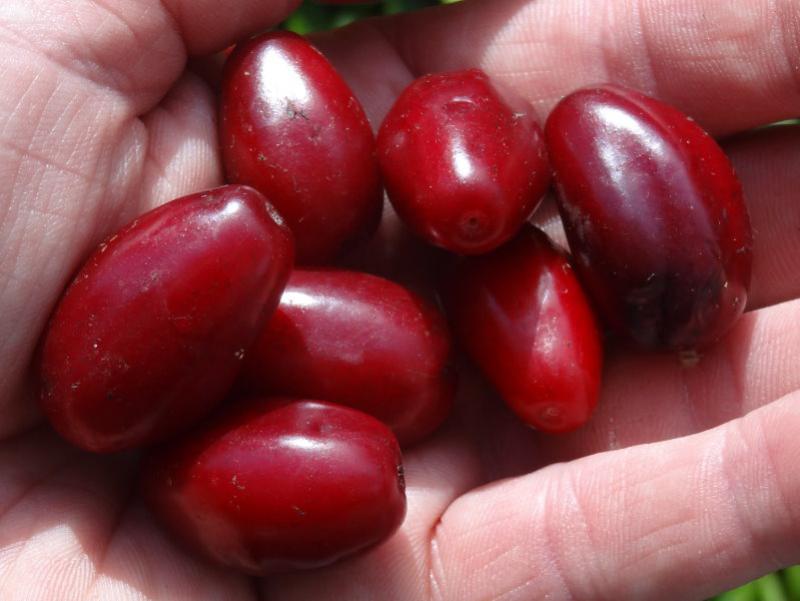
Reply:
x=209 y=25
x=132 y=50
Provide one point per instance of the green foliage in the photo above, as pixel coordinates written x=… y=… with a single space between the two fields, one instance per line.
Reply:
x=745 y=593
x=791 y=579
x=312 y=17
x=770 y=588
x=779 y=586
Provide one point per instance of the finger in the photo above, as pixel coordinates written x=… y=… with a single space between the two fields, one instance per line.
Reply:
x=646 y=398
x=128 y=49
x=683 y=519
x=743 y=55
x=182 y=151
x=768 y=164
x=652 y=397
x=208 y=26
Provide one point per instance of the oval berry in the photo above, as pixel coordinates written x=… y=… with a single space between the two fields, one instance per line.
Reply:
x=292 y=128
x=152 y=332
x=524 y=319
x=461 y=166
x=275 y=484
x=654 y=216
x=358 y=340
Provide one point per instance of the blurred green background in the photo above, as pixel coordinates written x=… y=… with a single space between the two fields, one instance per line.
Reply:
x=315 y=17
x=780 y=586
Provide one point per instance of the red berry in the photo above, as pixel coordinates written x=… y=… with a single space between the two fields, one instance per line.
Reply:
x=523 y=317
x=278 y=484
x=654 y=216
x=151 y=333
x=358 y=340
x=292 y=128
x=462 y=168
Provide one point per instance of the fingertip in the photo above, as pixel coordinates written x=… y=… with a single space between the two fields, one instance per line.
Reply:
x=209 y=26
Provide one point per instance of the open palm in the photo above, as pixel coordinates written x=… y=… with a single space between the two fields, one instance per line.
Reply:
x=100 y=121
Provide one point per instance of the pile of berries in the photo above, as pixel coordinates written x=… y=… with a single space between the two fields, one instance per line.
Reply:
x=271 y=388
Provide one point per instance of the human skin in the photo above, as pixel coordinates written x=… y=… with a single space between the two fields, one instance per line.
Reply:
x=99 y=122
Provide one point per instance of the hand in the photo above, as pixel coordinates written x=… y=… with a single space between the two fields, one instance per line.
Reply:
x=99 y=121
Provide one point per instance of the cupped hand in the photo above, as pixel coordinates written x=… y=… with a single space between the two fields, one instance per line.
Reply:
x=682 y=485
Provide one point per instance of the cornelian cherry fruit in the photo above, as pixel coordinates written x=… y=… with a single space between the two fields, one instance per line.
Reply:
x=654 y=215
x=463 y=166
x=276 y=484
x=292 y=128
x=152 y=332
x=524 y=319
x=358 y=340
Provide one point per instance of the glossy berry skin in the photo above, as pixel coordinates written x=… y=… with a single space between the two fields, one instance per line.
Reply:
x=358 y=340
x=292 y=128
x=522 y=316
x=273 y=485
x=462 y=167
x=654 y=216
x=152 y=332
